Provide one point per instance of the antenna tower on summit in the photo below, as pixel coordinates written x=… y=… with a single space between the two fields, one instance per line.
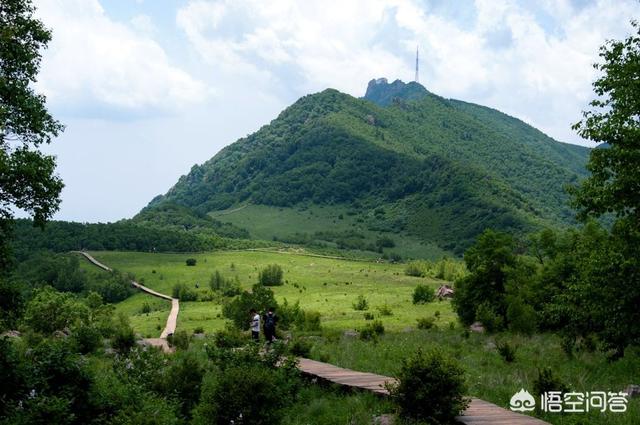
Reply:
x=417 y=79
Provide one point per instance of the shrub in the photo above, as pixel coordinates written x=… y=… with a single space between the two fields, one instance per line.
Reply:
x=50 y=310
x=368 y=316
x=385 y=310
x=86 y=337
x=229 y=337
x=520 y=316
x=123 y=337
x=423 y=294
x=198 y=330
x=372 y=330
x=300 y=347
x=183 y=292
x=250 y=394
x=430 y=388
x=183 y=380
x=180 y=340
x=416 y=269
x=361 y=303
x=310 y=321
x=227 y=287
x=191 y=261
x=491 y=321
x=271 y=275
x=146 y=308
x=506 y=351
x=548 y=381
x=426 y=322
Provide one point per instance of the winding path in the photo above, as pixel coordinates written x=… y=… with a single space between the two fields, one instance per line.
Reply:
x=172 y=319
x=479 y=412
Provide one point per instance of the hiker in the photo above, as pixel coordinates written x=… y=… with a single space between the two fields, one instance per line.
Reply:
x=255 y=325
x=270 y=320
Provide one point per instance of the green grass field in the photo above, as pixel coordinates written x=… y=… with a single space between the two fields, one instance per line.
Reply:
x=265 y=222
x=329 y=286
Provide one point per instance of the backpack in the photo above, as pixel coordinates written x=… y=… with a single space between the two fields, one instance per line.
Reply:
x=270 y=322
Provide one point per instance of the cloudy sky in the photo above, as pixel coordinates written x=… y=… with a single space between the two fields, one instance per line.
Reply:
x=148 y=88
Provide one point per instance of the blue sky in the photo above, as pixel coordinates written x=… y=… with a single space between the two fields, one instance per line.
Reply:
x=148 y=88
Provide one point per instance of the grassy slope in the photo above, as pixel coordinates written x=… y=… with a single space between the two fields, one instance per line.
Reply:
x=327 y=285
x=266 y=222
x=488 y=376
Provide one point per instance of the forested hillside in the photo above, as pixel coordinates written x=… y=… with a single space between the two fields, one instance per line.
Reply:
x=402 y=159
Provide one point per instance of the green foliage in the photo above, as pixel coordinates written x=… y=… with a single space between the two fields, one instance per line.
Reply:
x=371 y=330
x=548 y=381
x=184 y=292
x=385 y=310
x=227 y=287
x=50 y=310
x=123 y=336
x=411 y=164
x=180 y=339
x=27 y=177
x=521 y=316
x=423 y=294
x=86 y=337
x=361 y=303
x=229 y=337
x=237 y=310
x=506 y=351
x=415 y=268
x=300 y=347
x=271 y=275
x=431 y=388
x=487 y=261
x=191 y=261
x=490 y=319
x=426 y=322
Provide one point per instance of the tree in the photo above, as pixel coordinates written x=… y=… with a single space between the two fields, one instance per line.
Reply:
x=27 y=178
x=614 y=184
x=488 y=261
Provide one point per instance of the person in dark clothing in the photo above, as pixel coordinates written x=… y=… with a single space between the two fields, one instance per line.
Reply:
x=270 y=321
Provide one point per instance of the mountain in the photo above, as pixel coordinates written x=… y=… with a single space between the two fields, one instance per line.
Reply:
x=401 y=166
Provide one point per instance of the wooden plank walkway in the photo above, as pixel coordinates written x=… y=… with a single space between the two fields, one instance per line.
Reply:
x=479 y=412
x=172 y=319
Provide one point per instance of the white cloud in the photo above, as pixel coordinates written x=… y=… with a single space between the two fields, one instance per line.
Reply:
x=507 y=58
x=95 y=61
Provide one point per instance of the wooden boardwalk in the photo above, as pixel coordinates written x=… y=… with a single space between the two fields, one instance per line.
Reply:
x=172 y=319
x=479 y=412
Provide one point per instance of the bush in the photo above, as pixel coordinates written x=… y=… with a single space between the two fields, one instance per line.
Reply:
x=520 y=316
x=50 y=310
x=368 y=316
x=385 y=310
x=310 y=321
x=506 y=351
x=251 y=394
x=423 y=294
x=547 y=381
x=229 y=337
x=300 y=347
x=191 y=261
x=491 y=321
x=430 y=388
x=180 y=340
x=86 y=337
x=271 y=275
x=372 y=330
x=183 y=292
x=146 y=308
x=426 y=323
x=361 y=303
x=416 y=269
x=198 y=330
x=227 y=287
x=123 y=337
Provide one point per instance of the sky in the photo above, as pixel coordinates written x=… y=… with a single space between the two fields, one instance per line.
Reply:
x=148 y=88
